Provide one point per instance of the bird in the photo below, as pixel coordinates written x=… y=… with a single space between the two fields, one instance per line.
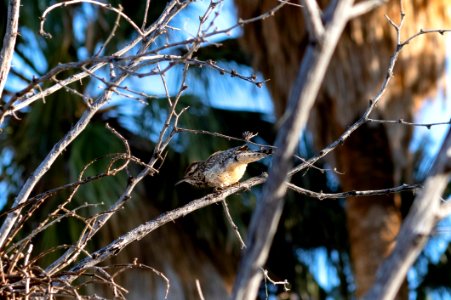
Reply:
x=223 y=168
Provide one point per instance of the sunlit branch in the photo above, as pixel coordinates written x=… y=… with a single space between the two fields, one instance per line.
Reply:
x=72 y=2
x=402 y=122
x=9 y=42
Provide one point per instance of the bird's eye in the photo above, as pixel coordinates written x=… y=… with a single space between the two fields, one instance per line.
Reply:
x=191 y=169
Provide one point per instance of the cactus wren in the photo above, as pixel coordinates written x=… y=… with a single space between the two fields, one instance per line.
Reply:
x=222 y=168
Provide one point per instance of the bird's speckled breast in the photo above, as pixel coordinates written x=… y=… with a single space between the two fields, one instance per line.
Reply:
x=227 y=177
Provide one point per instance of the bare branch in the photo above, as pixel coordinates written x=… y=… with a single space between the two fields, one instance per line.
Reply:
x=199 y=290
x=9 y=42
x=402 y=122
x=72 y=2
x=314 y=24
x=54 y=280
x=112 y=33
x=232 y=224
x=44 y=166
x=322 y=196
x=266 y=217
x=141 y=231
x=59 y=147
x=284 y=283
x=364 y=7
x=266 y=15
x=425 y=31
x=146 y=12
x=165 y=137
x=414 y=233
x=171 y=10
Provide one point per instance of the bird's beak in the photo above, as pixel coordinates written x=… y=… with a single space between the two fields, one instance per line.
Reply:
x=180 y=181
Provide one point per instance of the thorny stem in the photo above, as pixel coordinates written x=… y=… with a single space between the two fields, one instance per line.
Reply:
x=64 y=142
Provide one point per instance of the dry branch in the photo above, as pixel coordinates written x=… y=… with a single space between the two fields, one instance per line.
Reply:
x=9 y=41
x=416 y=229
x=266 y=217
x=85 y=119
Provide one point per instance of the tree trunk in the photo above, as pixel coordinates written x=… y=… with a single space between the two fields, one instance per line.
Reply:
x=373 y=222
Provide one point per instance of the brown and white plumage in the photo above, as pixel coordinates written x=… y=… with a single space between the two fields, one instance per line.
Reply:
x=222 y=168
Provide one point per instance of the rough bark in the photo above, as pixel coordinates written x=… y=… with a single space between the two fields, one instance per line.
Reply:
x=373 y=222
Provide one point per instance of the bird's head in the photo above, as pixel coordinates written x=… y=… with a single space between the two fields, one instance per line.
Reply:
x=193 y=175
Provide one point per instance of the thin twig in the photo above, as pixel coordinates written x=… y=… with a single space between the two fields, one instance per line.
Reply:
x=232 y=224
x=146 y=12
x=25 y=262
x=402 y=122
x=322 y=196
x=112 y=33
x=284 y=283
x=59 y=147
x=72 y=2
x=199 y=290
